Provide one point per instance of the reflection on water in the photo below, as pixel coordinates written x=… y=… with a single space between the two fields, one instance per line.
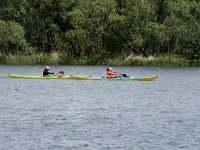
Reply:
x=69 y=114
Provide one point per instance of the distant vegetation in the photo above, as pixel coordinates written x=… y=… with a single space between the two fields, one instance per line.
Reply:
x=54 y=59
x=100 y=32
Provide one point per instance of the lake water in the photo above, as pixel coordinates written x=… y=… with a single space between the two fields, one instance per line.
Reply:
x=38 y=114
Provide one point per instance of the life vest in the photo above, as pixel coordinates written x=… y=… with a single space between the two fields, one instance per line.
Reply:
x=109 y=74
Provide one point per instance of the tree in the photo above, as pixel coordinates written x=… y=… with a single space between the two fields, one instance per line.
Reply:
x=11 y=37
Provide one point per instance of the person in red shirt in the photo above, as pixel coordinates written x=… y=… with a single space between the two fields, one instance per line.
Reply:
x=110 y=73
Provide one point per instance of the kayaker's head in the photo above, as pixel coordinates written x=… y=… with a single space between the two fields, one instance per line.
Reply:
x=109 y=69
x=47 y=67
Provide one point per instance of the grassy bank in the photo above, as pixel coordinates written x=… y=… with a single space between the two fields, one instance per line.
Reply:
x=55 y=59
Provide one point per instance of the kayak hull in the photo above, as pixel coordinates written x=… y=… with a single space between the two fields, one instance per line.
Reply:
x=138 y=78
x=38 y=77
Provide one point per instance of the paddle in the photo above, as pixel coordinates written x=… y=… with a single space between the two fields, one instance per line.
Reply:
x=121 y=75
x=60 y=73
x=124 y=75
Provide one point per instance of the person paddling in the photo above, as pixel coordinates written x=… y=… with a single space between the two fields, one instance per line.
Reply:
x=111 y=74
x=46 y=71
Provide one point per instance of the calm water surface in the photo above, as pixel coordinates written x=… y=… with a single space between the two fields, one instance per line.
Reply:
x=99 y=115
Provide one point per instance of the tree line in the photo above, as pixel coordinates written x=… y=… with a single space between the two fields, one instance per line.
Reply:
x=100 y=28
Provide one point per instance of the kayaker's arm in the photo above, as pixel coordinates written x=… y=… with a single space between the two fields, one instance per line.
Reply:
x=50 y=72
x=121 y=74
x=46 y=73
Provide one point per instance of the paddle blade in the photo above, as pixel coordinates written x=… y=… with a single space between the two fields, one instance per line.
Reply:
x=60 y=72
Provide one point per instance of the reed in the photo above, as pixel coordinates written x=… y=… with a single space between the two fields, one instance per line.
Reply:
x=29 y=60
x=131 y=60
x=161 y=61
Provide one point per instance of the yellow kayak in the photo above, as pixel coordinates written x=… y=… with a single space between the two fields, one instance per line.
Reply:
x=39 y=77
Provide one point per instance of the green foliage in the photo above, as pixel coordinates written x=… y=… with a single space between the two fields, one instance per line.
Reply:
x=11 y=36
x=101 y=28
x=2 y=59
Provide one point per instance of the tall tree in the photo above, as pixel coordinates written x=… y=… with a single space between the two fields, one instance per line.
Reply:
x=11 y=37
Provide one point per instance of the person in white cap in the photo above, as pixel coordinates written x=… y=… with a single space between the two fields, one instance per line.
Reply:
x=46 y=71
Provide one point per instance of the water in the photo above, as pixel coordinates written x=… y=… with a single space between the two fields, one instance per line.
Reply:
x=99 y=115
